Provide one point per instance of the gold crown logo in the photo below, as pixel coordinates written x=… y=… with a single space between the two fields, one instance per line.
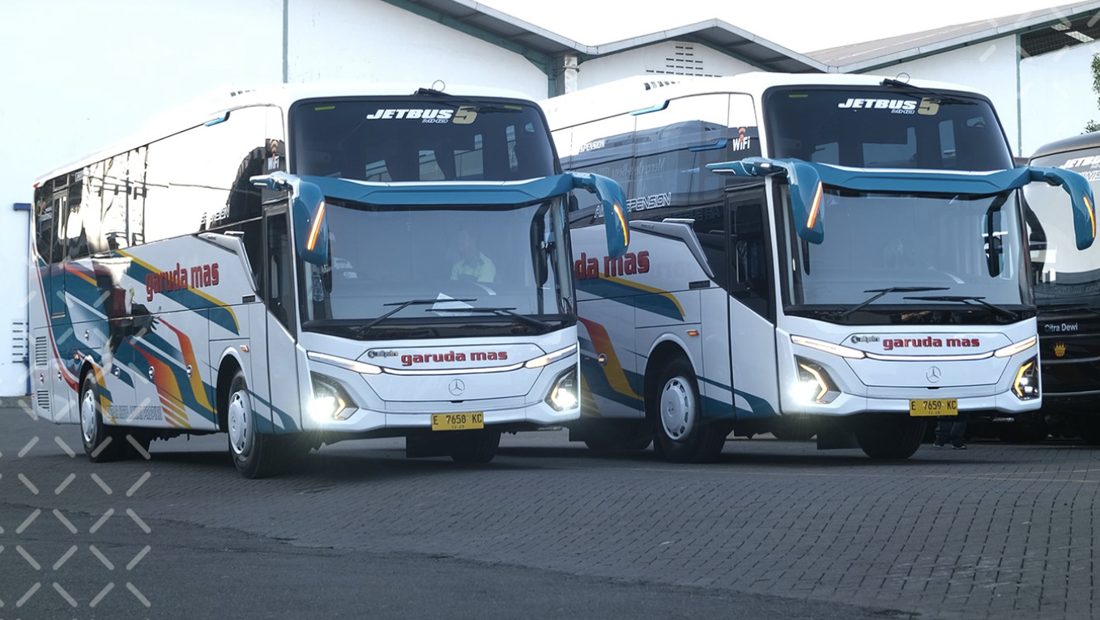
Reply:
x=1059 y=349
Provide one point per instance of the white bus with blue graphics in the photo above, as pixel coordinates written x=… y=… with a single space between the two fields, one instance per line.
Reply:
x=305 y=265
x=831 y=255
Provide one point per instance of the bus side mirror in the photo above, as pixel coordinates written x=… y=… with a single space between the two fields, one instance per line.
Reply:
x=1080 y=195
x=613 y=200
x=307 y=210
x=805 y=188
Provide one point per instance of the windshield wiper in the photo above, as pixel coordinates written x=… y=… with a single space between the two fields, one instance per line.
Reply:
x=481 y=107
x=880 y=292
x=401 y=305
x=500 y=311
x=968 y=299
x=927 y=92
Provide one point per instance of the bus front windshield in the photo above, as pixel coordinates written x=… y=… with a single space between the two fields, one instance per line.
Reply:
x=1062 y=275
x=415 y=272
x=426 y=138
x=886 y=127
x=896 y=258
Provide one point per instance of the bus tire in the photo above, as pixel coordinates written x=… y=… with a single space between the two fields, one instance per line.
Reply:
x=254 y=454
x=680 y=433
x=102 y=443
x=479 y=446
x=617 y=435
x=889 y=436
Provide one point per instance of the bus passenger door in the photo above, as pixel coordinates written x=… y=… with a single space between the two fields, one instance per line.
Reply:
x=752 y=304
x=281 y=366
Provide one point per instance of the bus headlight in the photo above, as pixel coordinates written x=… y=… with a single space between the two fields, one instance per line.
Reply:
x=814 y=383
x=563 y=395
x=1026 y=384
x=330 y=401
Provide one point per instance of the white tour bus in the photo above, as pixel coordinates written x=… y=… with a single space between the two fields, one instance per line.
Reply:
x=858 y=268
x=311 y=264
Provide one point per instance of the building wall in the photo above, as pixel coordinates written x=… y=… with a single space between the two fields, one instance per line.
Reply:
x=353 y=39
x=989 y=68
x=1039 y=99
x=1056 y=96
x=666 y=57
x=78 y=76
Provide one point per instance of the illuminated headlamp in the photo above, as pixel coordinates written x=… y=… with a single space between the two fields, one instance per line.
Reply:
x=330 y=401
x=550 y=358
x=564 y=394
x=1026 y=384
x=814 y=383
x=1015 y=348
x=346 y=364
x=828 y=347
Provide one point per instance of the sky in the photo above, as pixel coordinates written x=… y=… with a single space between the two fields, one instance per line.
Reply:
x=798 y=25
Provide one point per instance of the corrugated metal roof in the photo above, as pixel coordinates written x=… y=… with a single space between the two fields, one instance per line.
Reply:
x=715 y=33
x=720 y=35
x=498 y=24
x=1071 y=21
x=882 y=52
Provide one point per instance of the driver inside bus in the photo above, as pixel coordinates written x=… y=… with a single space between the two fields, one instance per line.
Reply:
x=472 y=265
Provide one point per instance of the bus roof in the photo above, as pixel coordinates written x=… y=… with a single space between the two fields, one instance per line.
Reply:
x=644 y=91
x=215 y=105
x=1073 y=143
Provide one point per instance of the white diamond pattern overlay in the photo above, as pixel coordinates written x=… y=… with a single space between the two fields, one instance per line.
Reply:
x=26 y=482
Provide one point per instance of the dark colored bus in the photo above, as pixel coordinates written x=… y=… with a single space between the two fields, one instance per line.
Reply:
x=1066 y=284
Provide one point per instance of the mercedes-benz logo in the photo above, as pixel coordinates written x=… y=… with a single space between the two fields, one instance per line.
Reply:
x=933 y=374
x=457 y=387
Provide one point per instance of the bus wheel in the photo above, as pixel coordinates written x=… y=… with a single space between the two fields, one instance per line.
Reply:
x=617 y=435
x=102 y=443
x=678 y=427
x=254 y=454
x=478 y=446
x=888 y=435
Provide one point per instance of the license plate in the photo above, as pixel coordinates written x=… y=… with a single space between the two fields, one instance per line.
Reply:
x=457 y=421
x=933 y=407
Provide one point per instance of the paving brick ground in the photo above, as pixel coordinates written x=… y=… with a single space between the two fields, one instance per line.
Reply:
x=997 y=531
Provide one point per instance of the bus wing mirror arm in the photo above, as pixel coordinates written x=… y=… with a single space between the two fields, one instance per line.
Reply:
x=276 y=181
x=1080 y=194
x=613 y=202
x=307 y=210
x=804 y=182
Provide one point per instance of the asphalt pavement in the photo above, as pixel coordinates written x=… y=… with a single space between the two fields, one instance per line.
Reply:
x=547 y=530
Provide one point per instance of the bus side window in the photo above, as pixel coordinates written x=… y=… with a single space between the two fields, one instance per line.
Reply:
x=710 y=230
x=43 y=222
x=749 y=251
x=279 y=287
